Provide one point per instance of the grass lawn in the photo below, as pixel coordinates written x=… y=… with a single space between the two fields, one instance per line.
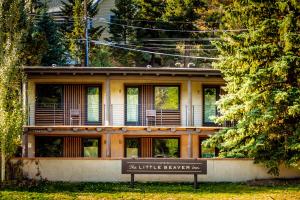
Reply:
x=58 y=190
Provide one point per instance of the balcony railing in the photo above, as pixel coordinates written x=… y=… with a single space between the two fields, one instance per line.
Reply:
x=119 y=115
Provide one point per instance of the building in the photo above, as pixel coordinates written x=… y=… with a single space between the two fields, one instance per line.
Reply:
x=82 y=121
x=120 y=112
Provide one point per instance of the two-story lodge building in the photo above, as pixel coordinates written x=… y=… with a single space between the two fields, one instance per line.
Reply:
x=120 y=112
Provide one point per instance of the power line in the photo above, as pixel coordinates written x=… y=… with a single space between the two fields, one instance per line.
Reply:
x=151 y=52
x=172 y=30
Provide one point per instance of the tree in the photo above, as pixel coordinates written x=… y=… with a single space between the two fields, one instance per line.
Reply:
x=11 y=113
x=124 y=12
x=261 y=67
x=43 y=41
x=74 y=26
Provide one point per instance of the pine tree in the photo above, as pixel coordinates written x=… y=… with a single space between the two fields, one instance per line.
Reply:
x=262 y=70
x=44 y=42
x=124 y=12
x=74 y=26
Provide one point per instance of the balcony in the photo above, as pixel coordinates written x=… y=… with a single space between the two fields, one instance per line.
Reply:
x=119 y=115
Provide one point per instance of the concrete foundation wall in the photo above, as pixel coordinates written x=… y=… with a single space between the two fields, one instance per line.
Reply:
x=83 y=170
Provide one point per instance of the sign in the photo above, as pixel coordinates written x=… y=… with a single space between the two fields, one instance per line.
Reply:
x=164 y=166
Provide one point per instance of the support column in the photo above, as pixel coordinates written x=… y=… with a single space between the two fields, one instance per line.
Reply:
x=190 y=144
x=26 y=121
x=107 y=102
x=108 y=144
x=190 y=104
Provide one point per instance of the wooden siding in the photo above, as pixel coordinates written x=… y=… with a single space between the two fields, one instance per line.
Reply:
x=72 y=147
x=74 y=96
x=146 y=147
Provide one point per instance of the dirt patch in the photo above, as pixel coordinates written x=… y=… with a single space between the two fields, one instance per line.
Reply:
x=273 y=182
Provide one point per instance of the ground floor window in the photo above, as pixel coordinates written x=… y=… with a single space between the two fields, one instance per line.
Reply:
x=152 y=147
x=91 y=147
x=48 y=146
x=68 y=146
x=206 y=152
x=165 y=147
x=132 y=147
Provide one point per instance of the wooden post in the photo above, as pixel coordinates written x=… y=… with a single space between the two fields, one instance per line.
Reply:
x=108 y=144
x=190 y=144
x=107 y=106
x=189 y=107
x=195 y=181
x=132 y=180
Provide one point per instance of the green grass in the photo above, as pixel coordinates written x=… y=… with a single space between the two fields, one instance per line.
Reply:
x=166 y=191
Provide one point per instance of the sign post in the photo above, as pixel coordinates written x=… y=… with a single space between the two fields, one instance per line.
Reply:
x=164 y=166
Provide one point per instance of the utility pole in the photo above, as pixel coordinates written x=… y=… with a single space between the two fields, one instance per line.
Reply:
x=87 y=24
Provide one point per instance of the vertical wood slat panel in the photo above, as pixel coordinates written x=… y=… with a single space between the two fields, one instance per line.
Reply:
x=146 y=147
x=72 y=147
x=74 y=97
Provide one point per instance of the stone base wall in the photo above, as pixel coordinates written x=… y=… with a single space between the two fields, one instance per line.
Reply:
x=104 y=170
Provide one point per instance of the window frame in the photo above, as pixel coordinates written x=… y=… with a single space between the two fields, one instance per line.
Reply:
x=139 y=105
x=201 y=139
x=179 y=100
x=36 y=146
x=139 y=147
x=179 y=145
x=217 y=87
x=86 y=105
x=99 y=146
x=49 y=84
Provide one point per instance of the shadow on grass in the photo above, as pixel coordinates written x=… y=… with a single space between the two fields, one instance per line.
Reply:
x=154 y=187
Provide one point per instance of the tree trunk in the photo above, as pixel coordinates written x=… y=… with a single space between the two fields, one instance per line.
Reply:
x=2 y=165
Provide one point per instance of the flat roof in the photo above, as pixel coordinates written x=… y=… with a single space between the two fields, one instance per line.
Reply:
x=157 y=71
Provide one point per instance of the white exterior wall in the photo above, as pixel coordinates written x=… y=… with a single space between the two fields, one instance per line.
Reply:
x=87 y=170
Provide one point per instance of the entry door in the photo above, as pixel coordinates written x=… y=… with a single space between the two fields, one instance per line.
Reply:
x=132 y=106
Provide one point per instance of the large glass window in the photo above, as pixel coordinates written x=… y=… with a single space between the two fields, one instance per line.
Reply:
x=90 y=147
x=48 y=146
x=93 y=104
x=166 y=147
x=207 y=152
x=211 y=95
x=166 y=97
x=48 y=95
x=132 y=147
x=132 y=106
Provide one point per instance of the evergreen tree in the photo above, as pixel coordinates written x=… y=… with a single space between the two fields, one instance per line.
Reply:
x=262 y=70
x=12 y=26
x=43 y=41
x=74 y=26
x=124 y=12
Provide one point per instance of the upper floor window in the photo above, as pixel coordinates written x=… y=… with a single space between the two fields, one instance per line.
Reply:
x=49 y=95
x=93 y=104
x=166 y=97
x=210 y=97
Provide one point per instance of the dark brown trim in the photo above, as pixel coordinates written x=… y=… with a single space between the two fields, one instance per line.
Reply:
x=217 y=87
x=86 y=105
x=179 y=94
x=139 y=105
x=139 y=145
x=123 y=71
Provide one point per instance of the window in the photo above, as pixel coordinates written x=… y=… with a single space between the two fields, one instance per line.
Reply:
x=49 y=95
x=93 y=104
x=48 y=146
x=132 y=147
x=211 y=95
x=206 y=152
x=166 y=97
x=91 y=147
x=132 y=105
x=166 y=147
